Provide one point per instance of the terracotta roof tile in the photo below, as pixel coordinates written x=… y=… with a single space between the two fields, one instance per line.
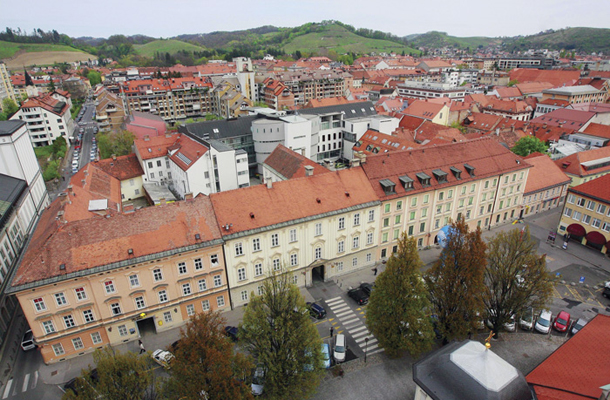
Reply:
x=597 y=130
x=598 y=188
x=374 y=142
x=423 y=109
x=543 y=174
x=121 y=168
x=554 y=77
x=155 y=146
x=290 y=164
x=572 y=164
x=572 y=119
x=185 y=152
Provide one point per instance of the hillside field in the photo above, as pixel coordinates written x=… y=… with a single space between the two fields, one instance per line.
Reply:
x=170 y=46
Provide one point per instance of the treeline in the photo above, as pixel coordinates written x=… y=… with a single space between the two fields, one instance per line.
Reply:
x=36 y=36
x=372 y=34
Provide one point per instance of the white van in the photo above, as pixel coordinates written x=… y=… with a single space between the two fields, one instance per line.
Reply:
x=340 y=348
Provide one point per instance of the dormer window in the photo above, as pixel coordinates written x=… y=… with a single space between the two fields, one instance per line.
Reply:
x=440 y=175
x=469 y=169
x=388 y=186
x=407 y=182
x=423 y=178
x=456 y=172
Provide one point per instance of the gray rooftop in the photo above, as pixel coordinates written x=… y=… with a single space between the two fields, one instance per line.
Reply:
x=361 y=109
x=10 y=191
x=220 y=129
x=10 y=127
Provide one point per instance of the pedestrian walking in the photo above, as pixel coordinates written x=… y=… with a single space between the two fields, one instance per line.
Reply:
x=331 y=331
x=375 y=271
x=142 y=349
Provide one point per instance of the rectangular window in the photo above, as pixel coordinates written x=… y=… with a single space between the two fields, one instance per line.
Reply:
x=355 y=242
x=463 y=189
x=355 y=262
x=369 y=238
x=48 y=327
x=441 y=195
x=571 y=198
x=239 y=251
x=397 y=219
x=109 y=286
x=590 y=205
x=356 y=219
x=122 y=330
x=601 y=208
x=167 y=316
x=190 y=310
x=275 y=240
x=606 y=227
x=198 y=264
x=580 y=202
x=396 y=233
x=414 y=202
x=60 y=299
x=586 y=219
x=140 y=303
x=134 y=281
x=203 y=286
x=77 y=343
x=450 y=194
x=384 y=237
x=422 y=227
x=157 y=275
x=217 y=281
x=244 y=295
x=88 y=316
x=58 y=349
x=80 y=294
x=372 y=212
x=115 y=308
x=387 y=208
x=258 y=269
x=426 y=198
x=596 y=223
x=96 y=338
x=386 y=222
x=340 y=266
x=369 y=257
x=220 y=301
x=293 y=235
x=214 y=260
x=412 y=216
x=318 y=253
x=576 y=215
x=186 y=289
x=567 y=212
x=241 y=274
x=276 y=264
x=256 y=244
x=162 y=294
x=205 y=305
x=293 y=260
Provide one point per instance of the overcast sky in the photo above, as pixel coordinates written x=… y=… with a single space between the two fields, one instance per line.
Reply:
x=167 y=18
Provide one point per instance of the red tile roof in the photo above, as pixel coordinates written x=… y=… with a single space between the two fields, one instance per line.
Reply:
x=543 y=174
x=554 y=77
x=488 y=157
x=291 y=164
x=505 y=92
x=155 y=146
x=48 y=103
x=597 y=130
x=374 y=142
x=81 y=245
x=548 y=133
x=576 y=370
x=423 y=109
x=533 y=87
x=598 y=188
x=121 y=168
x=164 y=85
x=555 y=102
x=565 y=117
x=409 y=122
x=482 y=122
x=185 y=148
x=258 y=207
x=572 y=164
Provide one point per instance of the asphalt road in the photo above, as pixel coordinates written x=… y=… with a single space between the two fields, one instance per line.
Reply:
x=88 y=125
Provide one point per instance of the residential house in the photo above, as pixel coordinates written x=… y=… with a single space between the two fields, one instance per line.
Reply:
x=546 y=185
x=109 y=111
x=295 y=226
x=585 y=166
x=127 y=170
x=575 y=94
x=431 y=111
x=284 y=163
x=548 y=105
x=566 y=118
x=429 y=90
x=145 y=124
x=434 y=66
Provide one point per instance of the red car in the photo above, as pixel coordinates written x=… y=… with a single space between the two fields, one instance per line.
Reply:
x=562 y=321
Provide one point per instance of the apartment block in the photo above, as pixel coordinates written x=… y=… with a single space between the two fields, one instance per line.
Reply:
x=6 y=86
x=109 y=110
x=546 y=186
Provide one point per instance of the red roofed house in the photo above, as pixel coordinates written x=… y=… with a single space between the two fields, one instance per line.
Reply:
x=437 y=113
x=548 y=105
x=566 y=118
x=581 y=378
x=585 y=165
x=546 y=185
x=434 y=66
x=127 y=170
x=145 y=124
x=555 y=77
x=283 y=164
x=374 y=142
x=277 y=95
x=104 y=279
x=586 y=213
x=47 y=117
x=109 y=110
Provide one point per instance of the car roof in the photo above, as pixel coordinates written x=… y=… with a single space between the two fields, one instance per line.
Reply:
x=563 y=314
x=316 y=306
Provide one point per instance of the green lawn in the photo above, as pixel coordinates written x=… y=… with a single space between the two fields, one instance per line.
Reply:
x=342 y=41
x=165 y=46
x=8 y=49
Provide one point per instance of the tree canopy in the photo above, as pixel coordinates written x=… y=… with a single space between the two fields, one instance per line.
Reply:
x=205 y=363
x=456 y=282
x=398 y=306
x=277 y=330
x=117 y=143
x=94 y=78
x=528 y=145
x=9 y=107
x=516 y=278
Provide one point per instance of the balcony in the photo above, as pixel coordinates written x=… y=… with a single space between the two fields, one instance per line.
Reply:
x=101 y=117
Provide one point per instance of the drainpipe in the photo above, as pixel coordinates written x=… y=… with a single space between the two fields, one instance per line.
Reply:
x=494 y=205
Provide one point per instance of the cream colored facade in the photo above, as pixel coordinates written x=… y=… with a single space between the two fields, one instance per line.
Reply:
x=107 y=305
x=483 y=203
x=326 y=245
x=6 y=87
x=544 y=200
x=591 y=213
x=132 y=188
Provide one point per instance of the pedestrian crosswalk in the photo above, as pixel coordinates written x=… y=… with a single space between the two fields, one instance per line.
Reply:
x=13 y=388
x=354 y=325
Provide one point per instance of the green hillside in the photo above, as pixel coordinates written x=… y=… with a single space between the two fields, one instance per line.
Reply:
x=170 y=46
x=436 y=39
x=578 y=39
x=337 y=38
x=8 y=49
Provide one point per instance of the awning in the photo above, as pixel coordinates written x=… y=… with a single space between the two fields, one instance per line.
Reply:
x=596 y=238
x=577 y=230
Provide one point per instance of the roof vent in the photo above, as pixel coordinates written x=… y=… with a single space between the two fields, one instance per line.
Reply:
x=252 y=215
x=197 y=236
x=318 y=200
x=62 y=267
x=130 y=251
x=346 y=194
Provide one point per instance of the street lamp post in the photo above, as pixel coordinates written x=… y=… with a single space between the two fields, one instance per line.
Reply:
x=366 y=347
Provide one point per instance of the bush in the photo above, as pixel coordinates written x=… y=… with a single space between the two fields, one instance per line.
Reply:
x=51 y=171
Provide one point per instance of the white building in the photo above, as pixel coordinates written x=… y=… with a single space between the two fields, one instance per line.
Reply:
x=47 y=117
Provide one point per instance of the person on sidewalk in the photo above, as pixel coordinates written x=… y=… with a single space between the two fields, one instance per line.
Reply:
x=375 y=271
x=142 y=349
x=331 y=331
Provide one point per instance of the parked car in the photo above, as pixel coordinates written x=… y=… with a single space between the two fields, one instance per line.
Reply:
x=359 y=296
x=526 y=321
x=340 y=348
x=71 y=384
x=258 y=381
x=543 y=323
x=606 y=292
x=508 y=326
x=326 y=355
x=367 y=288
x=316 y=310
x=562 y=321
x=163 y=358
x=578 y=325
x=27 y=343
x=231 y=332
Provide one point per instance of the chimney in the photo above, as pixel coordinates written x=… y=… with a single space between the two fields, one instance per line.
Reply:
x=188 y=196
x=356 y=162
x=128 y=207
x=146 y=138
x=69 y=188
x=308 y=170
x=269 y=183
x=114 y=157
x=63 y=198
x=162 y=201
x=168 y=135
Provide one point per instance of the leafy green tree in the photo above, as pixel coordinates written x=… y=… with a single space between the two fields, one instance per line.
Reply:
x=458 y=126
x=9 y=107
x=3 y=116
x=205 y=363
x=456 y=282
x=117 y=143
x=277 y=331
x=51 y=86
x=513 y=83
x=120 y=376
x=398 y=307
x=528 y=145
x=94 y=78
x=516 y=278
